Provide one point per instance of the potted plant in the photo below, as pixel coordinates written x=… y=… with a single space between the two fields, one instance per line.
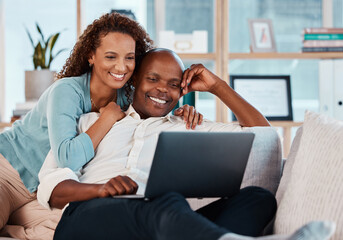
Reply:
x=37 y=81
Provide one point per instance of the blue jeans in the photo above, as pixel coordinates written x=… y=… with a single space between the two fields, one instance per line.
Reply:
x=167 y=217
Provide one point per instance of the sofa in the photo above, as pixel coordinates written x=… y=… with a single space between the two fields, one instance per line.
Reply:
x=309 y=184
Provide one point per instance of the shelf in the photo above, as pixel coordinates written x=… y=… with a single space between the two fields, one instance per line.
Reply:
x=185 y=56
x=314 y=55
x=285 y=123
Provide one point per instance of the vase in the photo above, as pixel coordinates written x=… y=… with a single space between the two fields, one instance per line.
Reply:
x=36 y=82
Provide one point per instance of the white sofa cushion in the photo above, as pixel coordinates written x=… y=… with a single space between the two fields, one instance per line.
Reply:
x=315 y=189
x=287 y=170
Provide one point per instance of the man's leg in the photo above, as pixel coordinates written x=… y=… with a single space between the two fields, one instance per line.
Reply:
x=166 y=217
x=247 y=213
x=13 y=193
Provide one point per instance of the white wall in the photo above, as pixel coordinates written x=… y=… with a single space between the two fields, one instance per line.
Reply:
x=2 y=63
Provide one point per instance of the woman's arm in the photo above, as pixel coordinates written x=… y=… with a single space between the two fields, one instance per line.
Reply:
x=109 y=115
x=64 y=108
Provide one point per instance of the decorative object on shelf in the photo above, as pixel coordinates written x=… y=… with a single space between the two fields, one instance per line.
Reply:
x=41 y=78
x=270 y=94
x=22 y=108
x=184 y=43
x=261 y=35
x=322 y=40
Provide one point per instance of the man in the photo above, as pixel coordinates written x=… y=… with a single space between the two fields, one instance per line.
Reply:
x=122 y=162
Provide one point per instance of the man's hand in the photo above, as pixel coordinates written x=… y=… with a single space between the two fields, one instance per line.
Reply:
x=71 y=191
x=190 y=116
x=199 y=78
x=119 y=185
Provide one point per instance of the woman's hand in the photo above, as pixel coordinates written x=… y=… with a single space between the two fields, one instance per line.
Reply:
x=112 y=111
x=119 y=185
x=190 y=116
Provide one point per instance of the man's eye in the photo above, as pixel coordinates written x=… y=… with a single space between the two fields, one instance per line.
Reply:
x=175 y=85
x=152 y=79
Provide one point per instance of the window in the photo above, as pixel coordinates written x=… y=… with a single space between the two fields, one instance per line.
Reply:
x=52 y=16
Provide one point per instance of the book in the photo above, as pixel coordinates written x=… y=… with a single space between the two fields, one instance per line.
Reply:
x=25 y=105
x=322 y=49
x=21 y=109
x=20 y=112
x=323 y=30
x=323 y=43
x=323 y=36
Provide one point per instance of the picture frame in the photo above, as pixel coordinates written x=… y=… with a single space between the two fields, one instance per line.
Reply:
x=270 y=94
x=261 y=35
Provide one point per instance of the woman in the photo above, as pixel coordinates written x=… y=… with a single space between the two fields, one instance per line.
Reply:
x=95 y=78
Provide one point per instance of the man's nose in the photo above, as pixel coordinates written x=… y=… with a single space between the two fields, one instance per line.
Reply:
x=162 y=87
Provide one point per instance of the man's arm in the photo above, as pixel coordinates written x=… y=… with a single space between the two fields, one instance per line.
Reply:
x=200 y=78
x=59 y=186
x=71 y=190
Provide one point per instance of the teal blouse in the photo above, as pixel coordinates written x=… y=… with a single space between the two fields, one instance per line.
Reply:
x=52 y=124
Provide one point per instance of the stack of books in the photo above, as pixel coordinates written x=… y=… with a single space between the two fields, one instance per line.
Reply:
x=323 y=40
x=21 y=109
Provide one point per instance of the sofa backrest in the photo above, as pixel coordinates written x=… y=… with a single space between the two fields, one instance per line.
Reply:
x=264 y=164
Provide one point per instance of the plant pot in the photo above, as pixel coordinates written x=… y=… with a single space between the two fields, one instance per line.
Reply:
x=36 y=82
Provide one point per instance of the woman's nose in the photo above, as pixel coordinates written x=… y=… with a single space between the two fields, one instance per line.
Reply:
x=120 y=66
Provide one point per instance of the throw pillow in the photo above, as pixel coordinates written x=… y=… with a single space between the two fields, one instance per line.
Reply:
x=315 y=189
x=287 y=170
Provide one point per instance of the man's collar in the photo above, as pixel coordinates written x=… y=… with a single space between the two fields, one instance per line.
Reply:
x=132 y=113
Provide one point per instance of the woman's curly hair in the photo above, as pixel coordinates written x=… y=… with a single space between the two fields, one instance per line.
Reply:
x=77 y=63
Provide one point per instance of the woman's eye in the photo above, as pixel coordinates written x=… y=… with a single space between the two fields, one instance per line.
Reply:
x=131 y=58
x=110 y=57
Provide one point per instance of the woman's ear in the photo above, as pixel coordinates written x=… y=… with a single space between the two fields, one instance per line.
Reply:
x=91 y=60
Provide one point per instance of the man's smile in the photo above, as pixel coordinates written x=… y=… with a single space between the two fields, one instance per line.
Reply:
x=158 y=100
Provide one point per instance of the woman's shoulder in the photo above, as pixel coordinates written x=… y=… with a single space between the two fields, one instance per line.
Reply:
x=77 y=83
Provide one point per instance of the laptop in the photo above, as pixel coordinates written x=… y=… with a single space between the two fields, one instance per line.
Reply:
x=198 y=164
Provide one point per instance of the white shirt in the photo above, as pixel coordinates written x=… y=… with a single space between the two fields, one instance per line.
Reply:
x=127 y=149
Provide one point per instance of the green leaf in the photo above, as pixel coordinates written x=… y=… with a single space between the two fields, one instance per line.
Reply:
x=43 y=56
x=28 y=34
x=37 y=56
x=51 y=44
x=53 y=41
x=40 y=32
x=53 y=57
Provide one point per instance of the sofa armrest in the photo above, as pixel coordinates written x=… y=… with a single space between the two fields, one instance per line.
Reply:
x=265 y=160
